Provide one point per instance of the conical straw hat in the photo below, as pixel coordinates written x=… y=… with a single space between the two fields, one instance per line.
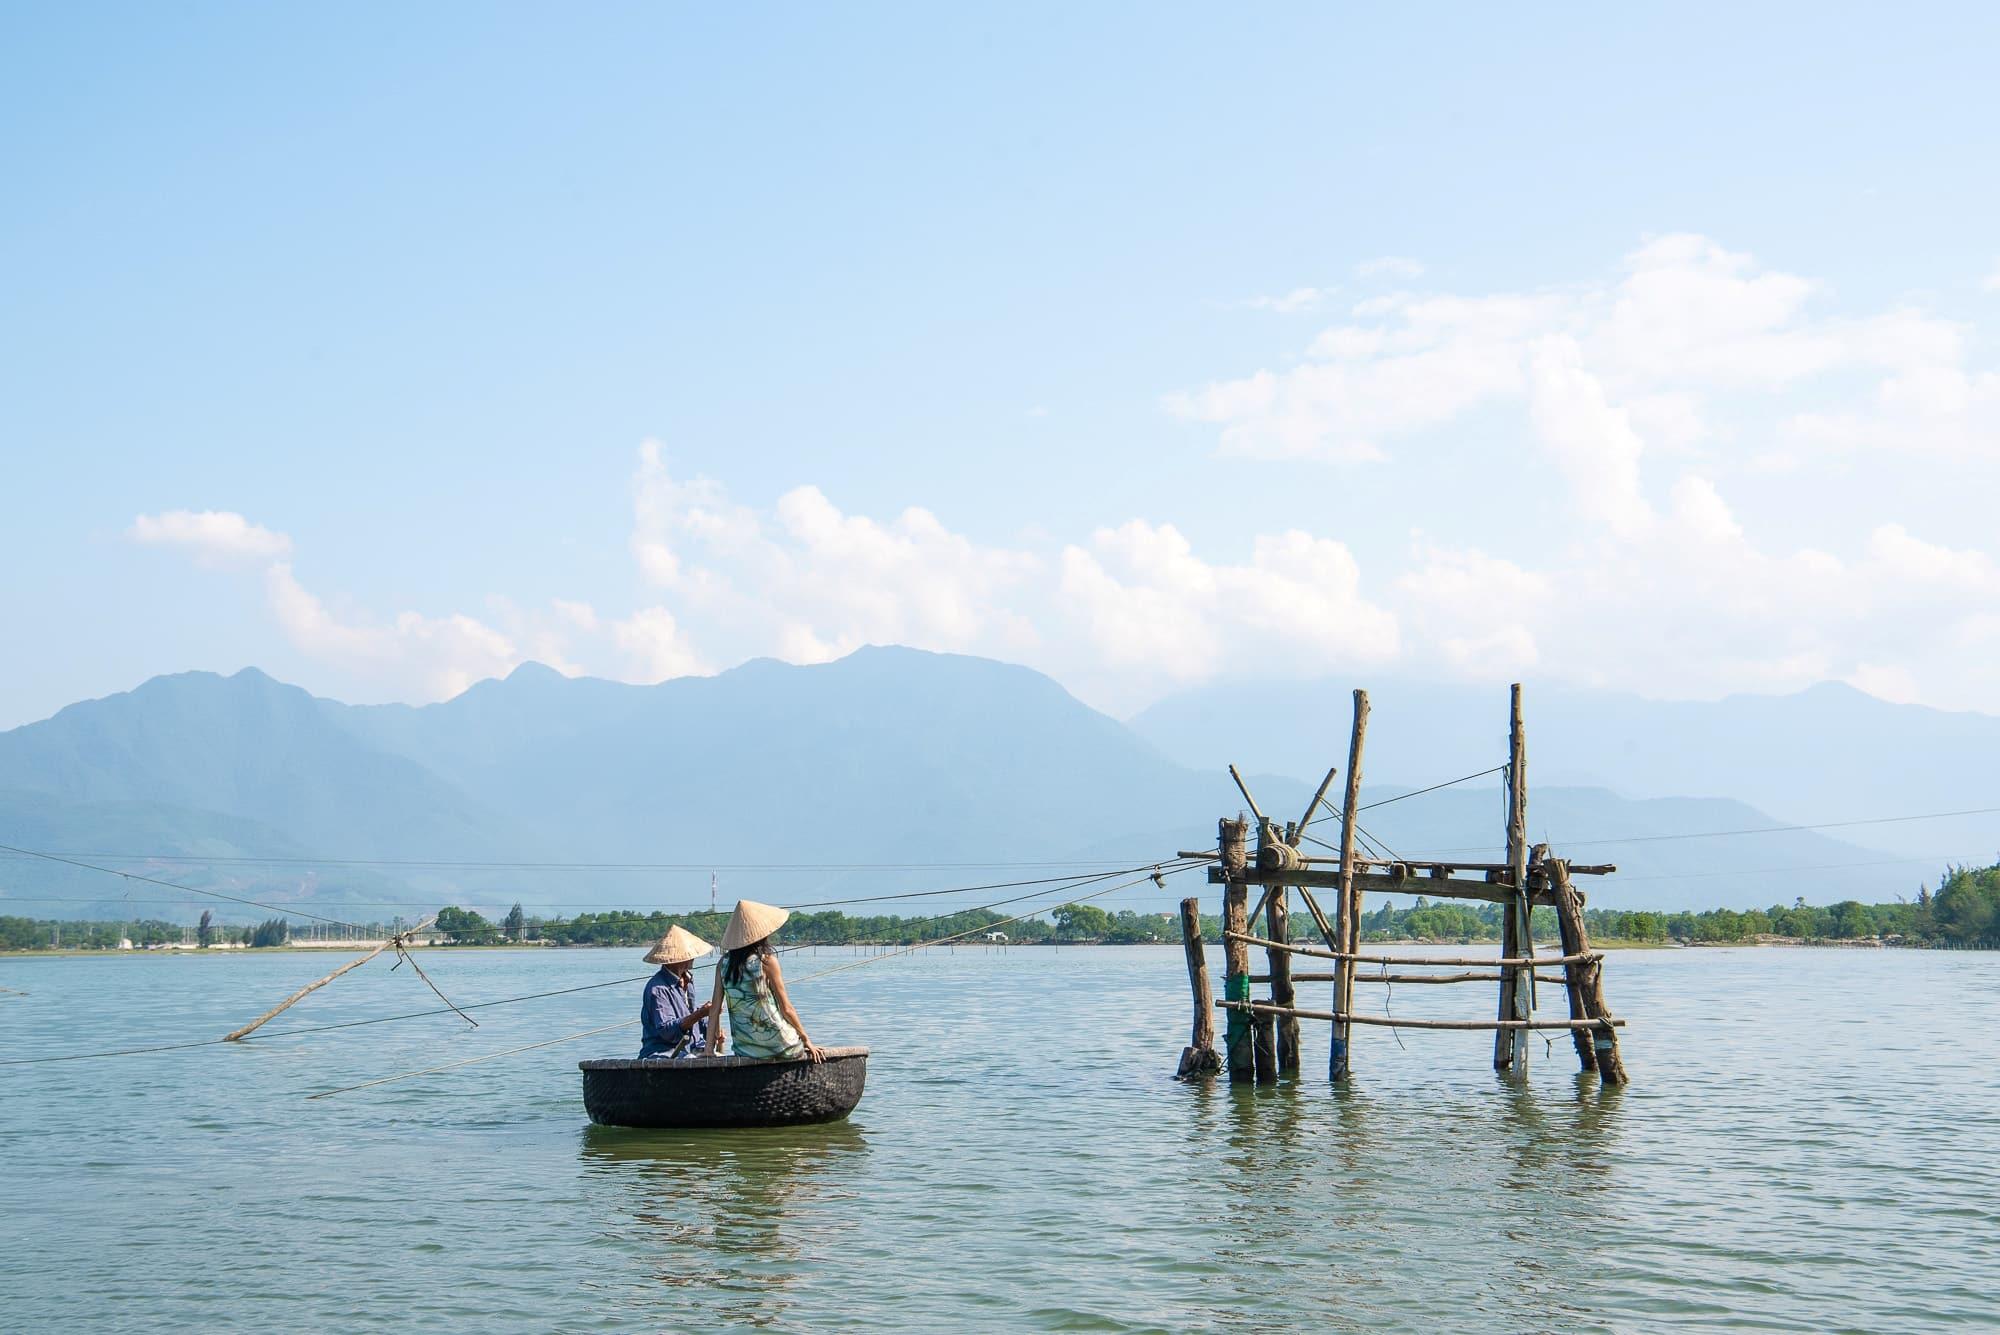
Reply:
x=678 y=946
x=752 y=922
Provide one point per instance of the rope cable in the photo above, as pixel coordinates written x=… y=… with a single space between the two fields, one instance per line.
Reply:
x=1172 y=867
x=872 y=959
x=154 y=880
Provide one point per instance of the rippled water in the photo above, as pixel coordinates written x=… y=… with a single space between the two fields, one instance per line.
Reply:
x=1811 y=1142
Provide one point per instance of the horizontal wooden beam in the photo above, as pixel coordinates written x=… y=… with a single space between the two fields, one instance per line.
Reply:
x=1392 y=1022
x=1484 y=976
x=1374 y=882
x=1317 y=953
x=1488 y=976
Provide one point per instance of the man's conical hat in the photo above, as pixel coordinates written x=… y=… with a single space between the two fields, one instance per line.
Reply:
x=678 y=946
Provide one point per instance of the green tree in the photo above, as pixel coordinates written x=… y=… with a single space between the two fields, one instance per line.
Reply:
x=513 y=924
x=1851 y=919
x=205 y=929
x=1082 y=922
x=467 y=928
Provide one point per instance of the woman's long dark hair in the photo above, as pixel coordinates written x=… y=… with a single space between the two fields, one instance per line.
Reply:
x=732 y=969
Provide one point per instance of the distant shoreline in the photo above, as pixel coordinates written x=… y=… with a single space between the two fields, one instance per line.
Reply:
x=1827 y=943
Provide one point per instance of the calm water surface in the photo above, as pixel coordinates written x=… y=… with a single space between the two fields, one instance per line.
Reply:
x=1811 y=1142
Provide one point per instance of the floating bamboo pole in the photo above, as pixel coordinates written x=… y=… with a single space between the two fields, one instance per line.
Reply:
x=239 y=1034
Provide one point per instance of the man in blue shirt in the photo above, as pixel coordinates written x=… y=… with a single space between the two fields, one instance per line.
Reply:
x=671 y=1024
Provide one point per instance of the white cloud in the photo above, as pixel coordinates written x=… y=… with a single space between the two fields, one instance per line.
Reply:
x=429 y=658
x=655 y=647
x=1992 y=280
x=1590 y=438
x=1151 y=607
x=1686 y=321
x=1290 y=303
x=214 y=537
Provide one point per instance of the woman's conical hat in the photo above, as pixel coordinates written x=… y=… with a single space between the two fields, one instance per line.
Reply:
x=752 y=922
x=678 y=946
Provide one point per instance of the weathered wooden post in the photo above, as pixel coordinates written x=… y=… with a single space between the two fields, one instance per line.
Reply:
x=1510 y=1046
x=1610 y=1065
x=1569 y=923
x=1347 y=912
x=1199 y=1060
x=1583 y=978
x=1264 y=1047
x=1277 y=926
x=1236 y=981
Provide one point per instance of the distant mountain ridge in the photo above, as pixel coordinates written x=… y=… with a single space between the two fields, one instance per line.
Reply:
x=888 y=769
x=1827 y=753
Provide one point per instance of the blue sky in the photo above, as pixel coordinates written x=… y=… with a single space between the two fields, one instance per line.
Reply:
x=1652 y=350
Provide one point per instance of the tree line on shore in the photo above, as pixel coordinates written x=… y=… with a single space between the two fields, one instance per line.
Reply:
x=1963 y=911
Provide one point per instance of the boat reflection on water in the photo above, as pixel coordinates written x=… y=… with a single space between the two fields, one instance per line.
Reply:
x=742 y=1212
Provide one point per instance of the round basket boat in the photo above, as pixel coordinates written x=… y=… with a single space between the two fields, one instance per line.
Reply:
x=724 y=1091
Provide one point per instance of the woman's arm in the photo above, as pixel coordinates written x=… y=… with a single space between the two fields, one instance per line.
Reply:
x=778 y=995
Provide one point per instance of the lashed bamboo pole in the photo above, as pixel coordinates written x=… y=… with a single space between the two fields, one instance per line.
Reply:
x=1347 y=913
x=1477 y=976
x=1395 y=1022
x=301 y=994
x=1521 y=961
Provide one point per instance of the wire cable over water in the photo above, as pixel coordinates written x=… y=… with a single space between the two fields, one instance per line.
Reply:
x=1069 y=883
x=1158 y=873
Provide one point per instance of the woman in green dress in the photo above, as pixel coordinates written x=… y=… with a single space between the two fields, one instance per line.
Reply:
x=762 y=1022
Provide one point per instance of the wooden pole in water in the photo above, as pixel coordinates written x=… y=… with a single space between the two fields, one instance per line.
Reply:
x=1263 y=1026
x=1347 y=913
x=1277 y=924
x=1198 y=1061
x=1236 y=981
x=1610 y=1064
x=1569 y=921
x=239 y=1034
x=1510 y=1047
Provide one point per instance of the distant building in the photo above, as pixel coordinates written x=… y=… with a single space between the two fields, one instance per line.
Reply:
x=997 y=938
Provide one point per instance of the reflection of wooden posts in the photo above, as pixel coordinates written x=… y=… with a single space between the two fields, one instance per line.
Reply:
x=1277 y=925
x=1236 y=981
x=1199 y=1060
x=1347 y=910
x=1510 y=1046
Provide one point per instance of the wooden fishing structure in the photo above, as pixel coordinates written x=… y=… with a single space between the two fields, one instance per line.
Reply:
x=1261 y=1037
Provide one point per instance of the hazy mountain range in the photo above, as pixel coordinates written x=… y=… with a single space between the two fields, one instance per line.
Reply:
x=894 y=768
